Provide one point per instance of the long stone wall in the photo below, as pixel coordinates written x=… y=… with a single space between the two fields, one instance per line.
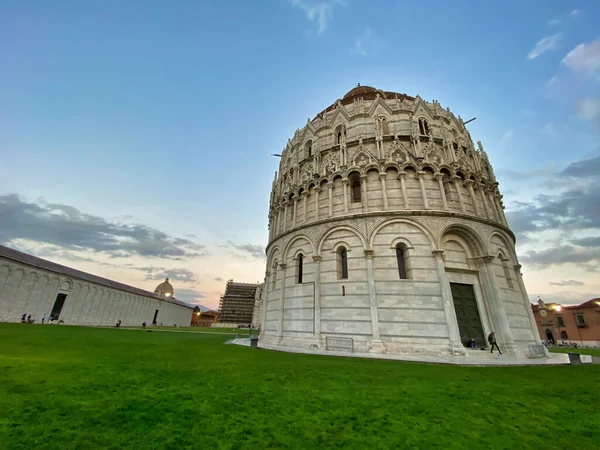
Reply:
x=29 y=290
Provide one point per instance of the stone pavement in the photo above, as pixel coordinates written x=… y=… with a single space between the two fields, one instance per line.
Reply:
x=471 y=358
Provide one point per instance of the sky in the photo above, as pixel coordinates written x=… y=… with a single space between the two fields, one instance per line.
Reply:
x=135 y=136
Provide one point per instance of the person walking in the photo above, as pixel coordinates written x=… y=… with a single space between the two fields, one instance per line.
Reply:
x=43 y=319
x=493 y=343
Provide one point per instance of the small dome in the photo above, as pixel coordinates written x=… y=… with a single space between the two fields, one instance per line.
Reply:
x=164 y=289
x=360 y=90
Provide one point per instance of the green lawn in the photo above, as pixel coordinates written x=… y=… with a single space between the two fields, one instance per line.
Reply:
x=194 y=329
x=83 y=388
x=581 y=351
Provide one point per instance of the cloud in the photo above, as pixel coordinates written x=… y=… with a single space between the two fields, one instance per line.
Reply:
x=567 y=283
x=507 y=136
x=67 y=227
x=550 y=129
x=256 y=251
x=584 y=58
x=575 y=13
x=219 y=279
x=562 y=255
x=545 y=44
x=191 y=296
x=366 y=43
x=160 y=273
x=320 y=12
x=582 y=169
x=554 y=22
x=589 y=109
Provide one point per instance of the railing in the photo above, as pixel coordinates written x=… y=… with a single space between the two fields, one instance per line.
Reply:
x=339 y=343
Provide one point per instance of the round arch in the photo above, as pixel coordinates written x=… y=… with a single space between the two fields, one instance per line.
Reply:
x=407 y=221
x=294 y=239
x=470 y=236
x=512 y=254
x=338 y=228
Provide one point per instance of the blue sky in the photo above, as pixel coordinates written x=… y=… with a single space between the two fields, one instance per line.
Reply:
x=152 y=122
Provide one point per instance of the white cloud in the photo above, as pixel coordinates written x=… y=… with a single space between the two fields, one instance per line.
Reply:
x=506 y=136
x=584 y=58
x=366 y=43
x=320 y=12
x=554 y=22
x=575 y=13
x=545 y=44
x=589 y=108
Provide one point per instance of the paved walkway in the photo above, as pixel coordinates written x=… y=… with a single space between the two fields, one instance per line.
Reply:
x=472 y=358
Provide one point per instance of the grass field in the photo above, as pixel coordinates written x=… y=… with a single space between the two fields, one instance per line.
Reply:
x=83 y=388
x=581 y=351
x=194 y=329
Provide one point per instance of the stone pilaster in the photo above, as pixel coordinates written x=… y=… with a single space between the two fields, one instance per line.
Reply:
x=330 y=198
x=527 y=304
x=317 y=195
x=469 y=185
x=281 y=302
x=456 y=346
x=317 y=312
x=376 y=343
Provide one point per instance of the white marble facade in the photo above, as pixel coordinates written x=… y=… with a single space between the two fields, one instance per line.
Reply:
x=31 y=286
x=376 y=172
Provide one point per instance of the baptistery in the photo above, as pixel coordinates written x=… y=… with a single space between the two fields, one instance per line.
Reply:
x=387 y=234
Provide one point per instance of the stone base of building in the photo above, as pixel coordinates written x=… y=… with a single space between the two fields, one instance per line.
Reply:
x=364 y=345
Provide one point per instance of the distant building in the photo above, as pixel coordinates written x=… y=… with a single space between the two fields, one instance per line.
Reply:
x=573 y=323
x=204 y=318
x=37 y=287
x=237 y=304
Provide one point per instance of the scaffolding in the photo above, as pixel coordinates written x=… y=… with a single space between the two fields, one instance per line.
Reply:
x=237 y=304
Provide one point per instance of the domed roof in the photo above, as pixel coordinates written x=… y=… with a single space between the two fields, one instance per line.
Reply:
x=164 y=289
x=360 y=90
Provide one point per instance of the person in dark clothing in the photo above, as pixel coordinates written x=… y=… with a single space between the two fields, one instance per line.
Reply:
x=493 y=343
x=24 y=318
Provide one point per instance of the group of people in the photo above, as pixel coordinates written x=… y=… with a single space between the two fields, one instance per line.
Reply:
x=25 y=318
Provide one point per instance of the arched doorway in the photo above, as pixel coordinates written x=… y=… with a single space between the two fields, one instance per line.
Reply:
x=549 y=336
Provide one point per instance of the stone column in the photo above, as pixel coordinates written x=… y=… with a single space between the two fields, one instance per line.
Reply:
x=501 y=319
x=363 y=187
x=491 y=205
x=439 y=178
x=345 y=184
x=376 y=343
x=469 y=184
x=317 y=192
x=448 y=303
x=501 y=210
x=285 y=213
x=532 y=323
x=304 y=202
x=330 y=198
x=419 y=176
x=383 y=191
x=263 y=325
x=294 y=211
x=317 y=325
x=402 y=176
x=485 y=205
x=456 y=181
x=281 y=302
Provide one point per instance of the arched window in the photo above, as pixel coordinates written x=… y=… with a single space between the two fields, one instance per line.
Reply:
x=300 y=267
x=423 y=127
x=401 y=259
x=356 y=190
x=308 y=148
x=310 y=151
x=506 y=272
x=342 y=263
x=564 y=335
x=339 y=137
